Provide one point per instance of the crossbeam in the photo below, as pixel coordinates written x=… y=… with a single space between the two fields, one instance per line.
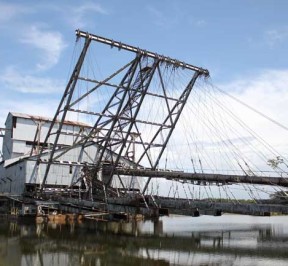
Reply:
x=123 y=87
x=218 y=178
x=134 y=49
x=122 y=117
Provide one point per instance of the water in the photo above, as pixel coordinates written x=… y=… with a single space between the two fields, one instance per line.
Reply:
x=226 y=240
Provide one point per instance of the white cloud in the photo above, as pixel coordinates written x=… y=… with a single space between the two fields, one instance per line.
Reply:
x=10 y=11
x=17 y=81
x=50 y=43
x=268 y=94
x=200 y=22
x=161 y=19
x=88 y=7
x=276 y=36
x=267 y=91
x=78 y=14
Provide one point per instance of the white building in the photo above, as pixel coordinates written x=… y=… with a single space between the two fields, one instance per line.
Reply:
x=24 y=137
x=21 y=133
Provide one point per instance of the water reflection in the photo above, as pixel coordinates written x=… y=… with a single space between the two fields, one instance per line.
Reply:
x=227 y=240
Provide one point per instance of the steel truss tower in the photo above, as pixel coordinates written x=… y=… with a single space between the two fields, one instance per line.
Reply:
x=117 y=130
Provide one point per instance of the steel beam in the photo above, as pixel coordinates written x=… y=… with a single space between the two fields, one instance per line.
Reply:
x=103 y=83
x=135 y=102
x=173 y=116
x=63 y=107
x=137 y=50
x=218 y=178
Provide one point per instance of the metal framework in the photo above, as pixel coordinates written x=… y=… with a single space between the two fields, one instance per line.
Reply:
x=116 y=128
x=116 y=131
x=137 y=50
x=205 y=178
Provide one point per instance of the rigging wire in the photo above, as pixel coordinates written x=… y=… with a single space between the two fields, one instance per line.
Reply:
x=252 y=109
x=210 y=121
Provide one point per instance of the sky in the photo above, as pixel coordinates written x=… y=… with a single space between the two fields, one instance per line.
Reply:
x=243 y=44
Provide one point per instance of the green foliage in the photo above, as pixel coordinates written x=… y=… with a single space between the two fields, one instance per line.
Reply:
x=275 y=162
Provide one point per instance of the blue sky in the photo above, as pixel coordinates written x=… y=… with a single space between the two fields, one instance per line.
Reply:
x=243 y=43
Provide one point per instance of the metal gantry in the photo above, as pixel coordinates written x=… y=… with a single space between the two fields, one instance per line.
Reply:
x=116 y=130
x=123 y=149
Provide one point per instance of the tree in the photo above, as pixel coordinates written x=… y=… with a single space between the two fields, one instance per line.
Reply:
x=274 y=163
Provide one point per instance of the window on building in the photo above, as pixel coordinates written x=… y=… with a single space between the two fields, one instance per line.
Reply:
x=70 y=169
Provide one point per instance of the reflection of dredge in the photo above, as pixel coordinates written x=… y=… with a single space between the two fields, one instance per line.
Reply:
x=93 y=249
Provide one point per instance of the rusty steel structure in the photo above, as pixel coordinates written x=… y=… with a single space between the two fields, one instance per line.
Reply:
x=116 y=131
x=119 y=118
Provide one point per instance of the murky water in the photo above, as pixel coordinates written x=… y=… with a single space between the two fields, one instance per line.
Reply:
x=226 y=240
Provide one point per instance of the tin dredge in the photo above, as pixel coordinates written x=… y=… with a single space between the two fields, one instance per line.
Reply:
x=101 y=168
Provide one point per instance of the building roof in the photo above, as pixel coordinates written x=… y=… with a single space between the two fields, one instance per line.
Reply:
x=47 y=119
